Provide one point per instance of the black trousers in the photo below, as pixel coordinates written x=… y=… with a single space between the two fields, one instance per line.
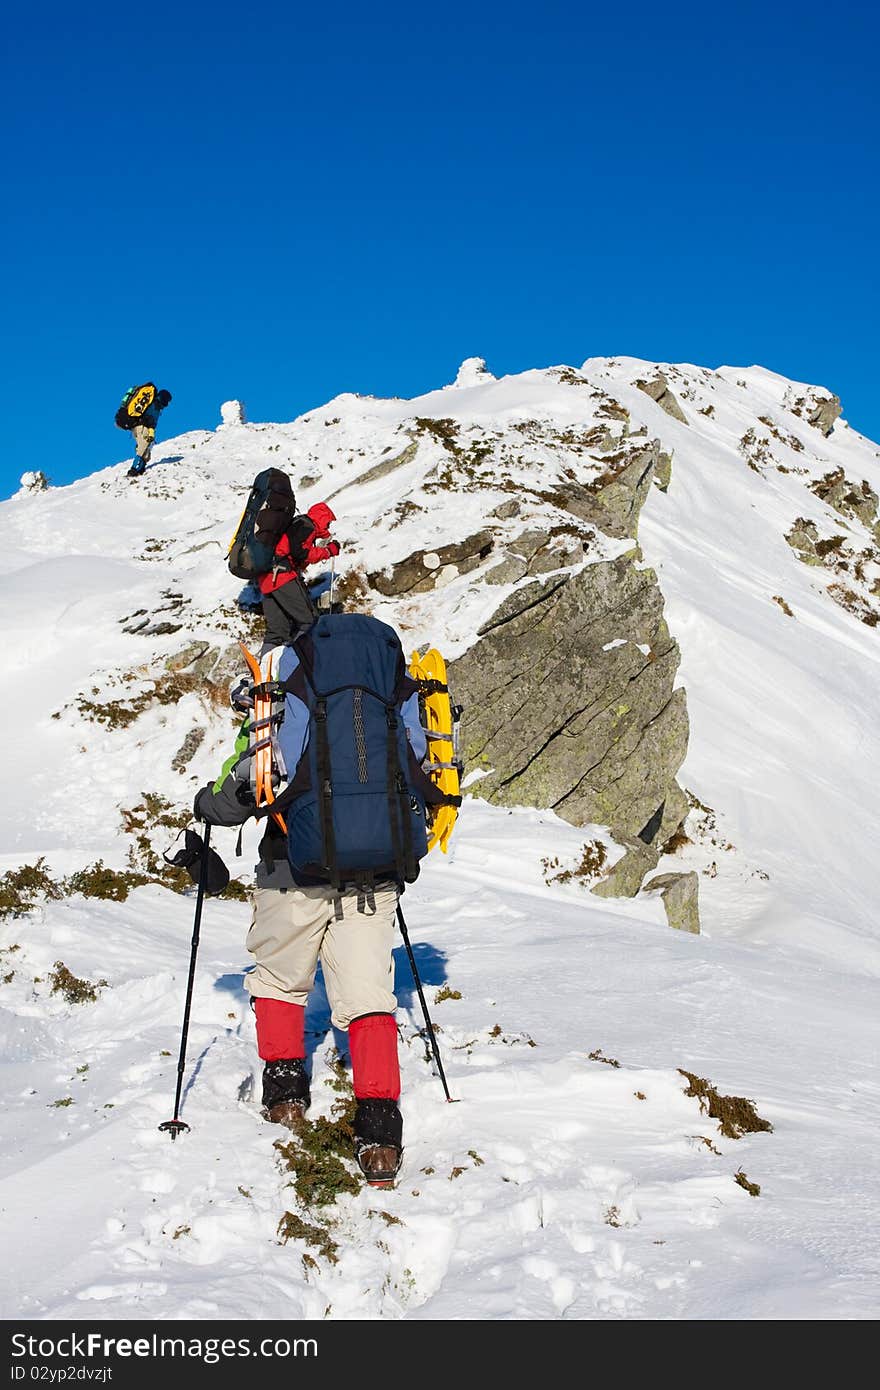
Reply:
x=288 y=611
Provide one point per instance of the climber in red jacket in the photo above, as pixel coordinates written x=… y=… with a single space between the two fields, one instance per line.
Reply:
x=287 y=605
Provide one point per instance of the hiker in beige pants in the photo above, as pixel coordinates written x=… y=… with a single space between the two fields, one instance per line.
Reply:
x=291 y=929
x=144 y=438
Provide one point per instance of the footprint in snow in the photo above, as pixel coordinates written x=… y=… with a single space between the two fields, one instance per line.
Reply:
x=562 y=1289
x=136 y=1291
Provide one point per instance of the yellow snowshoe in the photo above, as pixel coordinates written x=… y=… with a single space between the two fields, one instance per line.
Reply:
x=439 y=717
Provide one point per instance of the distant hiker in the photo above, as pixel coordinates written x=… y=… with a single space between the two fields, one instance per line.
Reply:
x=139 y=412
x=287 y=604
x=328 y=881
x=272 y=546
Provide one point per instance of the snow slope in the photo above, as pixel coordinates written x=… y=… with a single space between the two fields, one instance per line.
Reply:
x=559 y=1185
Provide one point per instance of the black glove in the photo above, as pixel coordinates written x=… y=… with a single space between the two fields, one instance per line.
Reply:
x=199 y=865
x=197 y=814
x=164 y=398
x=332 y=547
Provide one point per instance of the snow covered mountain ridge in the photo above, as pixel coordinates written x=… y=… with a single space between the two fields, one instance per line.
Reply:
x=759 y=509
x=660 y=585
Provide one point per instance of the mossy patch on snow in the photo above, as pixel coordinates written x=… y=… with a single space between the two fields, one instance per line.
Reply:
x=20 y=889
x=590 y=866
x=320 y=1154
x=599 y=1056
x=736 y=1115
x=753 y=1188
x=74 y=989
x=292 y=1227
x=98 y=881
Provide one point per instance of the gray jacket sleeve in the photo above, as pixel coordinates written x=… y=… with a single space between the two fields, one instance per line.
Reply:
x=232 y=804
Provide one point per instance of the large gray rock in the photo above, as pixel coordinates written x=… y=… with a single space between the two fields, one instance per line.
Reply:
x=819 y=411
x=511 y=569
x=538 y=551
x=528 y=543
x=558 y=552
x=803 y=539
x=852 y=500
x=507 y=509
x=224 y=665
x=613 y=500
x=660 y=391
x=556 y=720
x=628 y=874
x=681 y=899
x=663 y=471
x=824 y=410
x=422 y=570
x=389 y=465
x=187 y=655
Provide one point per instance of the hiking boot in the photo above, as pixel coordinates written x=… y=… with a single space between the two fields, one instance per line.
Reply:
x=285 y=1084
x=378 y=1132
x=290 y=1113
x=379 y=1163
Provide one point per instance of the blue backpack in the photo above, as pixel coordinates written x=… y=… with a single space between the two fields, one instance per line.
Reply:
x=355 y=805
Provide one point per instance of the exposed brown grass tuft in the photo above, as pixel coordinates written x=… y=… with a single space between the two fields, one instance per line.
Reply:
x=75 y=990
x=736 y=1115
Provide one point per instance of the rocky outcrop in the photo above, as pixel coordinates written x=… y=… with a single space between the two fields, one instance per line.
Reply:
x=187 y=655
x=386 y=466
x=200 y=659
x=660 y=391
x=854 y=587
x=431 y=569
x=804 y=539
x=569 y=704
x=818 y=411
x=538 y=551
x=34 y=482
x=852 y=500
x=507 y=509
x=612 y=500
x=681 y=894
x=823 y=413
x=663 y=471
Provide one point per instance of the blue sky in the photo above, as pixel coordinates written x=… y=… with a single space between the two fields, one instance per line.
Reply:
x=281 y=202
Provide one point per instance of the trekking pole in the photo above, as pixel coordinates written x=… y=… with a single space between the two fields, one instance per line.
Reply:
x=177 y=1126
x=430 y=1026
x=332 y=578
